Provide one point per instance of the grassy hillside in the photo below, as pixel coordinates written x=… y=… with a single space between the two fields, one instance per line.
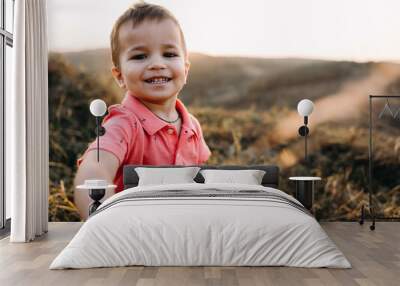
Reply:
x=237 y=82
x=269 y=90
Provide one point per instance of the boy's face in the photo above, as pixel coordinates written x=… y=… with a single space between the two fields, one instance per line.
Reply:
x=153 y=65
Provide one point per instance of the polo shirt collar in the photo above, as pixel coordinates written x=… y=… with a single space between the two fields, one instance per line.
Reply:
x=150 y=122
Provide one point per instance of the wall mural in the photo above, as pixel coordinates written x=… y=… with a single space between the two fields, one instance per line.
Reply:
x=247 y=110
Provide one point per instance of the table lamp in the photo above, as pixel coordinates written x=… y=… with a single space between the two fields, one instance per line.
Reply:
x=305 y=108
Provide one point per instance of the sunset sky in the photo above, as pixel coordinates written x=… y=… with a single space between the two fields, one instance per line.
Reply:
x=357 y=30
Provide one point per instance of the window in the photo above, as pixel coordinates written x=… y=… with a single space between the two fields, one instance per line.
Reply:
x=6 y=44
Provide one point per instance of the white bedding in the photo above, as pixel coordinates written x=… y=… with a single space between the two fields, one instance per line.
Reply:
x=181 y=231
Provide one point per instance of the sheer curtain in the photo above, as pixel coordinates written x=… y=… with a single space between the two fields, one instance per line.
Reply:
x=27 y=145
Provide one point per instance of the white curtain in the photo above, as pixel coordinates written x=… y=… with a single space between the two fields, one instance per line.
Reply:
x=27 y=145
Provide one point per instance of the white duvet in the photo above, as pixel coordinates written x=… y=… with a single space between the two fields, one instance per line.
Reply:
x=182 y=231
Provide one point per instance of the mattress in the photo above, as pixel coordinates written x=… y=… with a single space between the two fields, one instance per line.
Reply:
x=201 y=225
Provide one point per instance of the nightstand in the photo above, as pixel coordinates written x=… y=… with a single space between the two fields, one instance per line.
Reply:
x=305 y=190
x=97 y=190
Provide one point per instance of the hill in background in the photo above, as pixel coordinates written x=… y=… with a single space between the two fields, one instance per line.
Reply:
x=239 y=82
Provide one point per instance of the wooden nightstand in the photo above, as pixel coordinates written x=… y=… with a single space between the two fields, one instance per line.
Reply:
x=305 y=190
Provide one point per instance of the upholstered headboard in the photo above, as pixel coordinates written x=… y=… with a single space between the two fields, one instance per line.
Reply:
x=270 y=179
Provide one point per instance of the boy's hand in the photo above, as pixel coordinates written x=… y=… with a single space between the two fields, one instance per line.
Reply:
x=91 y=169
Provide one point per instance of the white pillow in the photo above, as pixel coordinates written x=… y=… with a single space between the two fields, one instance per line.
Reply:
x=162 y=176
x=249 y=177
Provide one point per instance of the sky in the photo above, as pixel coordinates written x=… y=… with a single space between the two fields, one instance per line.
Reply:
x=358 y=30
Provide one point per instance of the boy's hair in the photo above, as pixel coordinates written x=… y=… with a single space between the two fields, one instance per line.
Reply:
x=138 y=13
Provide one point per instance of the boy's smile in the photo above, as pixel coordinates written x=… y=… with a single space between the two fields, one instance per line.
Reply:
x=153 y=63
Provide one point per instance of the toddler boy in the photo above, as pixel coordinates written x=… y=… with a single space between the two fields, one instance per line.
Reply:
x=151 y=126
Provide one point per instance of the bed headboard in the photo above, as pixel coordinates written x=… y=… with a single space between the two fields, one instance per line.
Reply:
x=270 y=179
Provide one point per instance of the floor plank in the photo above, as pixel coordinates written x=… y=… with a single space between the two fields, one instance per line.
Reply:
x=374 y=255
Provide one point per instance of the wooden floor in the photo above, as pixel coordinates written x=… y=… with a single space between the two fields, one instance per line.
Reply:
x=375 y=257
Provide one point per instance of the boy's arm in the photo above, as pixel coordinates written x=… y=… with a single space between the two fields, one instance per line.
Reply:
x=91 y=169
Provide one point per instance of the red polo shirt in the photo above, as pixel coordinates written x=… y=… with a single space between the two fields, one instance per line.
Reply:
x=136 y=136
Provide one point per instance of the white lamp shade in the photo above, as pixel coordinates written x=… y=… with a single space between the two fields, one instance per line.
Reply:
x=305 y=107
x=98 y=107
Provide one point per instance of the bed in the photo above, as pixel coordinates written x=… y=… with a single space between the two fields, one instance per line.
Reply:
x=201 y=224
